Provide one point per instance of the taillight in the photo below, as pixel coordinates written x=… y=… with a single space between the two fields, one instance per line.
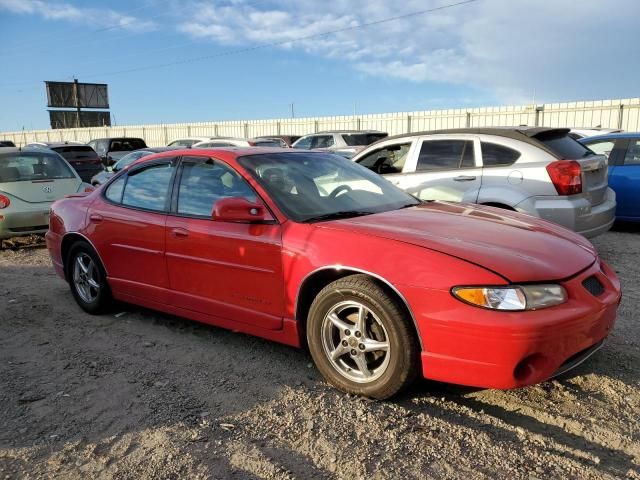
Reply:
x=4 y=201
x=88 y=189
x=566 y=176
x=251 y=143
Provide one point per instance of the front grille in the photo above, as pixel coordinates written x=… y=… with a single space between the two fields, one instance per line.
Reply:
x=593 y=286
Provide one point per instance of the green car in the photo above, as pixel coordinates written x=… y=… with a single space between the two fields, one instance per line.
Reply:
x=30 y=181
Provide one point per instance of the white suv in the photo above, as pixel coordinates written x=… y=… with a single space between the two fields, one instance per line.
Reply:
x=539 y=171
x=343 y=142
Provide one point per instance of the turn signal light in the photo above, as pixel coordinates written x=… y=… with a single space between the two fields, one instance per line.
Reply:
x=566 y=176
x=4 y=201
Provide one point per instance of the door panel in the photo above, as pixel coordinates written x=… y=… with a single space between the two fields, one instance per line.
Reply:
x=129 y=227
x=226 y=269
x=443 y=169
x=624 y=179
x=131 y=244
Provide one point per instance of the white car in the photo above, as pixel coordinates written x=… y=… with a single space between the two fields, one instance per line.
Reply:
x=579 y=133
x=539 y=171
x=343 y=142
x=238 y=142
x=189 y=142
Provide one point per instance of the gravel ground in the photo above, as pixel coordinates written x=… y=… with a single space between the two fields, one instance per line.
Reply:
x=145 y=395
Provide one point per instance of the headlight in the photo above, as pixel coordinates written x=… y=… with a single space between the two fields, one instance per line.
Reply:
x=515 y=298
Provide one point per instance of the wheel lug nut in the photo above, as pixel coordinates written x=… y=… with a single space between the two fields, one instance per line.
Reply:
x=358 y=334
x=361 y=346
x=344 y=343
x=354 y=353
x=347 y=332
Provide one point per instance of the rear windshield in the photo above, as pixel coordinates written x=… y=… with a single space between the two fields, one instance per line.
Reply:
x=76 y=151
x=267 y=143
x=28 y=166
x=362 y=139
x=127 y=144
x=563 y=145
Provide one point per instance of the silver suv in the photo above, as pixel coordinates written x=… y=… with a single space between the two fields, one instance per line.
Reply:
x=343 y=142
x=539 y=171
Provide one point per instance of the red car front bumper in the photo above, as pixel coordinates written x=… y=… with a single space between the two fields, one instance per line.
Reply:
x=484 y=348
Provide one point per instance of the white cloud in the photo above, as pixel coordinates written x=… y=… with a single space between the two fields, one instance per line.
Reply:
x=67 y=12
x=509 y=48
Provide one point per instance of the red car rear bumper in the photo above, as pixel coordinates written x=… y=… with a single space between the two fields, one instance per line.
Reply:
x=472 y=346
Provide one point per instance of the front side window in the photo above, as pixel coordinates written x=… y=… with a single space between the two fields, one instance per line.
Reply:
x=633 y=154
x=362 y=139
x=203 y=183
x=390 y=159
x=148 y=187
x=32 y=166
x=322 y=141
x=115 y=189
x=304 y=142
x=317 y=186
x=446 y=155
x=601 y=148
x=498 y=155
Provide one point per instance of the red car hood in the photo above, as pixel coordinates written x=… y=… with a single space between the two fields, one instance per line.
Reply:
x=519 y=247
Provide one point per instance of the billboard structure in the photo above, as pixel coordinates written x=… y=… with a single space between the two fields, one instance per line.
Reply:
x=77 y=96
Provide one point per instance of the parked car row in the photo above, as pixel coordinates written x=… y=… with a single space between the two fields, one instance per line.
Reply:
x=308 y=248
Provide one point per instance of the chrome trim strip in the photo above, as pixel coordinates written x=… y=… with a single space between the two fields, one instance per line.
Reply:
x=92 y=246
x=210 y=261
x=374 y=275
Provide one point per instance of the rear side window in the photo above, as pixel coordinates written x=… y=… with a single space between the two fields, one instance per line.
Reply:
x=27 y=167
x=148 y=188
x=362 y=139
x=498 y=155
x=602 y=148
x=446 y=155
x=563 y=146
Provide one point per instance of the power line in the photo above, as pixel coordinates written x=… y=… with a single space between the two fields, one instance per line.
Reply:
x=284 y=42
x=274 y=43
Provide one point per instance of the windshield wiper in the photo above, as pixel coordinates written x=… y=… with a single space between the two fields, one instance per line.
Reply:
x=337 y=215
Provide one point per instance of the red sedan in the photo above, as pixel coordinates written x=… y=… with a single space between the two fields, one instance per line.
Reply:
x=310 y=248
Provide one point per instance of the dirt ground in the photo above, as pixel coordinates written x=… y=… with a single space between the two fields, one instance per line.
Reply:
x=138 y=394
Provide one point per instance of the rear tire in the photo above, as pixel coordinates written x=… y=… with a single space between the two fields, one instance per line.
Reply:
x=87 y=279
x=361 y=339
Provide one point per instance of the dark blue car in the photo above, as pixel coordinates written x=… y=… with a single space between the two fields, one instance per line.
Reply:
x=623 y=153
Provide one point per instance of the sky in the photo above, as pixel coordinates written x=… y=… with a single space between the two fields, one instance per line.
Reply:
x=169 y=61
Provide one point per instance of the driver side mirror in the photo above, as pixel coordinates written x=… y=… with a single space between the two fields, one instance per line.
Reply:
x=239 y=210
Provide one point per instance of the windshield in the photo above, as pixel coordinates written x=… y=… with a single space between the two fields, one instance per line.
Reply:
x=129 y=159
x=75 y=152
x=30 y=166
x=127 y=144
x=362 y=139
x=310 y=186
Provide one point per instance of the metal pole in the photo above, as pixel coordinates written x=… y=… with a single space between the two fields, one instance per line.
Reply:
x=77 y=100
x=293 y=113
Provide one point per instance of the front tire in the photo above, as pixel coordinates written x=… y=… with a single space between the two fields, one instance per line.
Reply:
x=361 y=339
x=87 y=279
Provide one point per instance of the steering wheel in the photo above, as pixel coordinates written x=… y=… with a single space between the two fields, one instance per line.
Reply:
x=339 y=190
x=379 y=165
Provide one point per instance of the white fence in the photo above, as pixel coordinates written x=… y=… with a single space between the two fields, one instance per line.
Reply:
x=623 y=114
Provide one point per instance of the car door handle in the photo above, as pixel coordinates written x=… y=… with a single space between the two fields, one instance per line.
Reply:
x=465 y=178
x=95 y=218
x=179 y=232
